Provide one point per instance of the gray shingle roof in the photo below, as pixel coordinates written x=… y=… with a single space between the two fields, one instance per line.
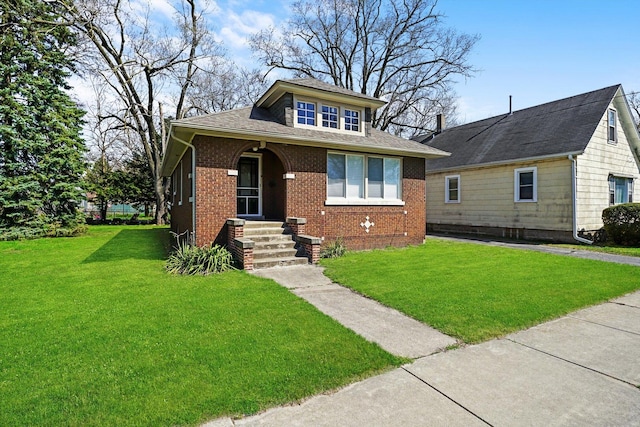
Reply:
x=259 y=123
x=327 y=87
x=559 y=127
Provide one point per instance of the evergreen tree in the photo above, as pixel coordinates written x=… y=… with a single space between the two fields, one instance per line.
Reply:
x=138 y=183
x=41 y=151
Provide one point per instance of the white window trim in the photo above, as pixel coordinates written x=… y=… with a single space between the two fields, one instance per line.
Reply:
x=343 y=201
x=319 y=103
x=516 y=184
x=630 y=181
x=295 y=114
x=343 y=120
x=324 y=104
x=615 y=126
x=448 y=179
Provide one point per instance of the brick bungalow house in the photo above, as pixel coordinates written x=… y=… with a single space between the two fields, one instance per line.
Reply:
x=305 y=157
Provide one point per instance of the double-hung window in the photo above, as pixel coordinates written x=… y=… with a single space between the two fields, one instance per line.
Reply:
x=620 y=190
x=611 y=126
x=358 y=177
x=452 y=189
x=330 y=117
x=306 y=113
x=526 y=185
x=352 y=120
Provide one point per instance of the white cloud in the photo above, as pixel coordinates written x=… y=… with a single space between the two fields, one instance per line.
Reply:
x=238 y=28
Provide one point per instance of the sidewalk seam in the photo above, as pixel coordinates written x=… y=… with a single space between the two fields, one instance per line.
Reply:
x=635 y=386
x=446 y=396
x=603 y=325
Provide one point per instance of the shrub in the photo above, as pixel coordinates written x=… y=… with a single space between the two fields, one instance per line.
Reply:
x=622 y=223
x=334 y=250
x=192 y=260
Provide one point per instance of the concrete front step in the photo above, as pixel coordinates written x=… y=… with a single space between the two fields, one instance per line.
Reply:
x=263 y=224
x=270 y=244
x=274 y=244
x=278 y=262
x=280 y=238
x=274 y=253
x=266 y=231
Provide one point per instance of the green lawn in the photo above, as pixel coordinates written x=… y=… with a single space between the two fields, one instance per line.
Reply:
x=94 y=332
x=476 y=292
x=609 y=248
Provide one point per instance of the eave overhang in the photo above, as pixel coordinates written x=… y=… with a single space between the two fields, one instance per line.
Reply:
x=280 y=87
x=180 y=134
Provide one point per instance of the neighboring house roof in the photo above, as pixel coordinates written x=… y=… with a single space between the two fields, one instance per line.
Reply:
x=258 y=124
x=553 y=129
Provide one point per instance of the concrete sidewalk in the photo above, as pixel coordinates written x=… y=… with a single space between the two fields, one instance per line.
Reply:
x=582 y=369
x=393 y=331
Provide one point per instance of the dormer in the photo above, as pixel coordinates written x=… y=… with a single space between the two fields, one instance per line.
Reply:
x=315 y=105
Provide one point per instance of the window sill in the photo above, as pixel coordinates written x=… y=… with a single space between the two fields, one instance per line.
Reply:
x=452 y=202
x=525 y=201
x=363 y=202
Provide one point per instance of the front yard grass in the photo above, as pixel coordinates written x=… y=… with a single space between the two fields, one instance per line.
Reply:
x=475 y=292
x=608 y=248
x=94 y=332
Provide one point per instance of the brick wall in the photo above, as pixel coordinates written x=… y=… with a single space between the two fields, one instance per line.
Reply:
x=304 y=196
x=181 y=213
x=215 y=189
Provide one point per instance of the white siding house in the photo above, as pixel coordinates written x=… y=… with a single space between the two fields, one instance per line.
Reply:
x=512 y=175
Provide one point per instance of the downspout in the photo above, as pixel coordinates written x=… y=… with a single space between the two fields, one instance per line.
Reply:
x=574 y=197
x=193 y=181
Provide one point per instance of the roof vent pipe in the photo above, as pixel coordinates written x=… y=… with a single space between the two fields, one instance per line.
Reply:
x=440 y=123
x=510 y=105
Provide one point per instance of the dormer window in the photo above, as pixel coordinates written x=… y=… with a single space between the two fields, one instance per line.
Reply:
x=330 y=117
x=306 y=113
x=352 y=120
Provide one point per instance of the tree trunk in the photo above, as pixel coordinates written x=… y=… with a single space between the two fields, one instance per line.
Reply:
x=161 y=201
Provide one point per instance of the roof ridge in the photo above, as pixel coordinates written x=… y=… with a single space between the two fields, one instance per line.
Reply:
x=561 y=126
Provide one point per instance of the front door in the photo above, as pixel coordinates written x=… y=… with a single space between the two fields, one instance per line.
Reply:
x=249 y=188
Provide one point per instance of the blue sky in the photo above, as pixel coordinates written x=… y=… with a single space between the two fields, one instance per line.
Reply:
x=542 y=50
x=535 y=50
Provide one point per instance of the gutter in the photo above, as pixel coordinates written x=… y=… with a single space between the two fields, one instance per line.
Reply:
x=193 y=179
x=315 y=141
x=504 y=162
x=574 y=197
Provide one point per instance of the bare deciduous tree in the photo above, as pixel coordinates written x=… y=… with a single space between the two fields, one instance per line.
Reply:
x=145 y=64
x=397 y=50
x=227 y=88
x=634 y=103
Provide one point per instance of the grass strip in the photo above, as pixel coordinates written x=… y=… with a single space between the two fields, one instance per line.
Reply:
x=475 y=292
